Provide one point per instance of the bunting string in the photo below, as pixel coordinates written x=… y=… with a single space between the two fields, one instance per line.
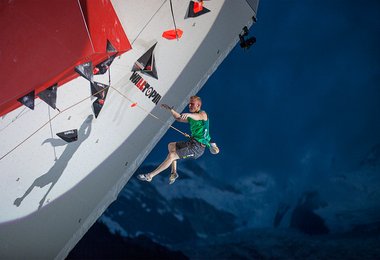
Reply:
x=79 y=102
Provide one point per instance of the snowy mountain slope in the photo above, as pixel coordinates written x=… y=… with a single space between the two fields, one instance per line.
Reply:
x=198 y=205
x=142 y=208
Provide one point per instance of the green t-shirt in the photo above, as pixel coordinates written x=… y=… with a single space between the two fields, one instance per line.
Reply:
x=200 y=130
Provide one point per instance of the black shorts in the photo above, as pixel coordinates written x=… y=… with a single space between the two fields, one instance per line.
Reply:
x=190 y=149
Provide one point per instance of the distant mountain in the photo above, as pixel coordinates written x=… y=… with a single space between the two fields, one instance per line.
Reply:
x=252 y=219
x=99 y=243
x=200 y=206
x=144 y=208
x=259 y=243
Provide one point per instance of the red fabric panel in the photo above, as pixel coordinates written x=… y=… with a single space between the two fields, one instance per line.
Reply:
x=104 y=25
x=43 y=40
x=39 y=40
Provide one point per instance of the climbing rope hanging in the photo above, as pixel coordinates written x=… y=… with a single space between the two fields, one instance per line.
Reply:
x=149 y=113
x=175 y=26
x=146 y=111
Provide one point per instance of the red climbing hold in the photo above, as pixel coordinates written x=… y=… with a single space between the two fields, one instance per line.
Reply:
x=171 y=34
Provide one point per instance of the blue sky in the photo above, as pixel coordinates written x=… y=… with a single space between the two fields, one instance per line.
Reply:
x=303 y=100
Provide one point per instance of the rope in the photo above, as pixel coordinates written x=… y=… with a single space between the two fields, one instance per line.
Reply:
x=51 y=132
x=51 y=119
x=77 y=103
x=148 y=22
x=13 y=120
x=149 y=113
x=175 y=26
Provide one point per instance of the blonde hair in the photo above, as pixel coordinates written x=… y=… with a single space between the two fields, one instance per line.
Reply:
x=196 y=98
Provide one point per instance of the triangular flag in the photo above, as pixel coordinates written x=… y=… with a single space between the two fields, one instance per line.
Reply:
x=172 y=34
x=49 y=95
x=27 y=100
x=110 y=47
x=146 y=63
x=196 y=9
x=103 y=67
x=85 y=70
x=142 y=62
x=150 y=68
x=96 y=90
x=97 y=105
x=69 y=136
